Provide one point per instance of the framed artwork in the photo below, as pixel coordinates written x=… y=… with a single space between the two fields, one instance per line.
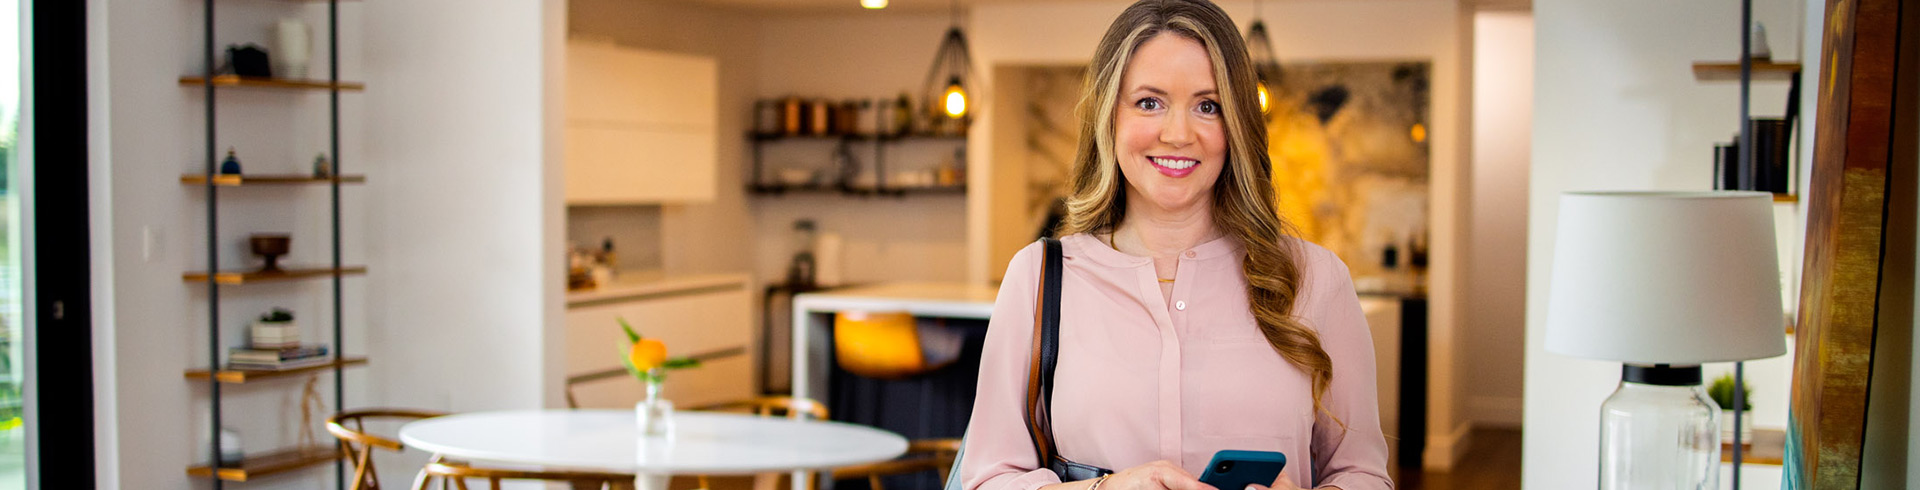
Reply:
x=1860 y=216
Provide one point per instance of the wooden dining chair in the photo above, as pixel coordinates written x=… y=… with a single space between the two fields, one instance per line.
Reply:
x=774 y=406
x=455 y=475
x=922 y=455
x=358 y=445
x=769 y=406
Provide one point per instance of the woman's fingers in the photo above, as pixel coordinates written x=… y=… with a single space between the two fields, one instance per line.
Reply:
x=1173 y=477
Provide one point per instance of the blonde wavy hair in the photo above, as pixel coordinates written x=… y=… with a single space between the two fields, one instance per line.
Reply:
x=1244 y=206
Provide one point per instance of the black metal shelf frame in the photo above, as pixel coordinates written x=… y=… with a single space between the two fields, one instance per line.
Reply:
x=213 y=214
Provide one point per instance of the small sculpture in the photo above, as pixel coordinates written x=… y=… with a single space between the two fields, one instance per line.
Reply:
x=270 y=246
x=230 y=166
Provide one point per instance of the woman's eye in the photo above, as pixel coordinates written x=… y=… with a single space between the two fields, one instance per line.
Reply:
x=1209 y=107
x=1150 y=104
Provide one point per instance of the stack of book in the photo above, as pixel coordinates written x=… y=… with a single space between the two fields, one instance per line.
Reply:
x=256 y=359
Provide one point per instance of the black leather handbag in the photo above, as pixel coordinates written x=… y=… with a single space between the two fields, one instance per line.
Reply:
x=1046 y=355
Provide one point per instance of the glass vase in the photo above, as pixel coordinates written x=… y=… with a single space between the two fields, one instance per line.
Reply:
x=1659 y=437
x=654 y=415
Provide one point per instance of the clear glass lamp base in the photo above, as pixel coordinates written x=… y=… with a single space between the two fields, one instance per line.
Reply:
x=1659 y=431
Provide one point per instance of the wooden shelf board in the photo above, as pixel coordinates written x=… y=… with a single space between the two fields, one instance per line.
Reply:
x=1729 y=71
x=280 y=83
x=251 y=179
x=236 y=376
x=1768 y=447
x=1779 y=197
x=288 y=274
x=260 y=465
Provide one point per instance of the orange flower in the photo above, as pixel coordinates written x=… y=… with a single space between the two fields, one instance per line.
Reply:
x=647 y=354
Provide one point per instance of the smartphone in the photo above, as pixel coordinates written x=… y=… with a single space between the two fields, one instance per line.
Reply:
x=1234 y=470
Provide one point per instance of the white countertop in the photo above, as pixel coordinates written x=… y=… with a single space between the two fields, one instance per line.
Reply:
x=930 y=299
x=653 y=283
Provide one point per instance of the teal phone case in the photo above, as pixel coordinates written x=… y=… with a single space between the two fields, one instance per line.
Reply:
x=1234 y=470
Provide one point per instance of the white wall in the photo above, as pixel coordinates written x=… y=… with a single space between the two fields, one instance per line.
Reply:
x=1496 y=272
x=869 y=54
x=456 y=222
x=465 y=293
x=1064 y=33
x=1616 y=107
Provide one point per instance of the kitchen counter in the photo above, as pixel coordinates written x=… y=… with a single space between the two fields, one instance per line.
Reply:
x=629 y=286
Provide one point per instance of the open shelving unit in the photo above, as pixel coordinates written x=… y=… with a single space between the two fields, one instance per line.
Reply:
x=306 y=454
x=761 y=184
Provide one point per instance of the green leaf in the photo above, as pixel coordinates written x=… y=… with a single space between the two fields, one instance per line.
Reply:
x=680 y=363
x=632 y=336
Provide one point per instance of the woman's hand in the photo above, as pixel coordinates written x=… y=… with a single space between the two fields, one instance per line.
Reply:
x=1158 y=475
x=1282 y=483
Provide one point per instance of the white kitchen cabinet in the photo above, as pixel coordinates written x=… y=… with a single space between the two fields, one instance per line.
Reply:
x=691 y=322
x=640 y=125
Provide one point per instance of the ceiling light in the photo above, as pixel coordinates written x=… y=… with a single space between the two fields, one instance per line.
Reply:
x=952 y=61
x=874 y=4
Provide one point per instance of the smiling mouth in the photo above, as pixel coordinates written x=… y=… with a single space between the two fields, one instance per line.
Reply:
x=1174 y=163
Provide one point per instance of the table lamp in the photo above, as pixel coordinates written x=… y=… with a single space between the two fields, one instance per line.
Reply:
x=1663 y=282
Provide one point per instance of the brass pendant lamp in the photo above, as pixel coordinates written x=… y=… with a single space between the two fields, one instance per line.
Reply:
x=1265 y=65
x=951 y=60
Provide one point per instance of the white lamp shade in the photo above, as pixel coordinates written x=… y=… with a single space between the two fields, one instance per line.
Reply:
x=1665 y=278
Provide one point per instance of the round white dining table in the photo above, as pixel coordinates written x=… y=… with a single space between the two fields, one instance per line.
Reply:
x=702 y=443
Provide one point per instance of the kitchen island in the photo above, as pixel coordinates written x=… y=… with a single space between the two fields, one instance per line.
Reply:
x=813 y=316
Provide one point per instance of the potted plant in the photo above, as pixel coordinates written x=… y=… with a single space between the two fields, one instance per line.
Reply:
x=274 y=330
x=1722 y=393
x=646 y=359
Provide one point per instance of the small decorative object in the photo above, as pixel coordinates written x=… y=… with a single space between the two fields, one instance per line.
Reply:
x=1722 y=394
x=647 y=360
x=902 y=114
x=1757 y=45
x=231 y=165
x=1663 y=282
x=270 y=246
x=294 y=49
x=231 y=454
x=248 y=60
x=321 y=167
x=766 y=117
x=801 y=273
x=274 y=330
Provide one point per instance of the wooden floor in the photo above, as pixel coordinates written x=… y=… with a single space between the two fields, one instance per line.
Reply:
x=1492 y=463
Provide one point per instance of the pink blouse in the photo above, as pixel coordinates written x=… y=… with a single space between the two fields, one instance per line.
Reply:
x=1140 y=380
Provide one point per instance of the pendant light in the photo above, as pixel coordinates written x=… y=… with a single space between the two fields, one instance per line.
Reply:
x=952 y=66
x=1266 y=67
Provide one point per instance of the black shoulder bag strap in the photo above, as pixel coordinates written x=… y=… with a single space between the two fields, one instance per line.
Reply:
x=1046 y=356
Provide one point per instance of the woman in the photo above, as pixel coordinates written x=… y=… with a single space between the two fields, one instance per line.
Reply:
x=1189 y=321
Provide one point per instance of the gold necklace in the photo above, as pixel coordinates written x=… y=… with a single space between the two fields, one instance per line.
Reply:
x=1110 y=244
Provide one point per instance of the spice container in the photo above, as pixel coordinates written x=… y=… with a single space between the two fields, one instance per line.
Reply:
x=792 y=115
x=819 y=117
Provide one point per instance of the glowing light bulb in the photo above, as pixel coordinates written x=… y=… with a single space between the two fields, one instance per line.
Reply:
x=956 y=101
x=1419 y=133
x=1262 y=88
x=874 y=4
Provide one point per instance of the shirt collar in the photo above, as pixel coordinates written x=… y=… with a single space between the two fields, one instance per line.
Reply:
x=1087 y=245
